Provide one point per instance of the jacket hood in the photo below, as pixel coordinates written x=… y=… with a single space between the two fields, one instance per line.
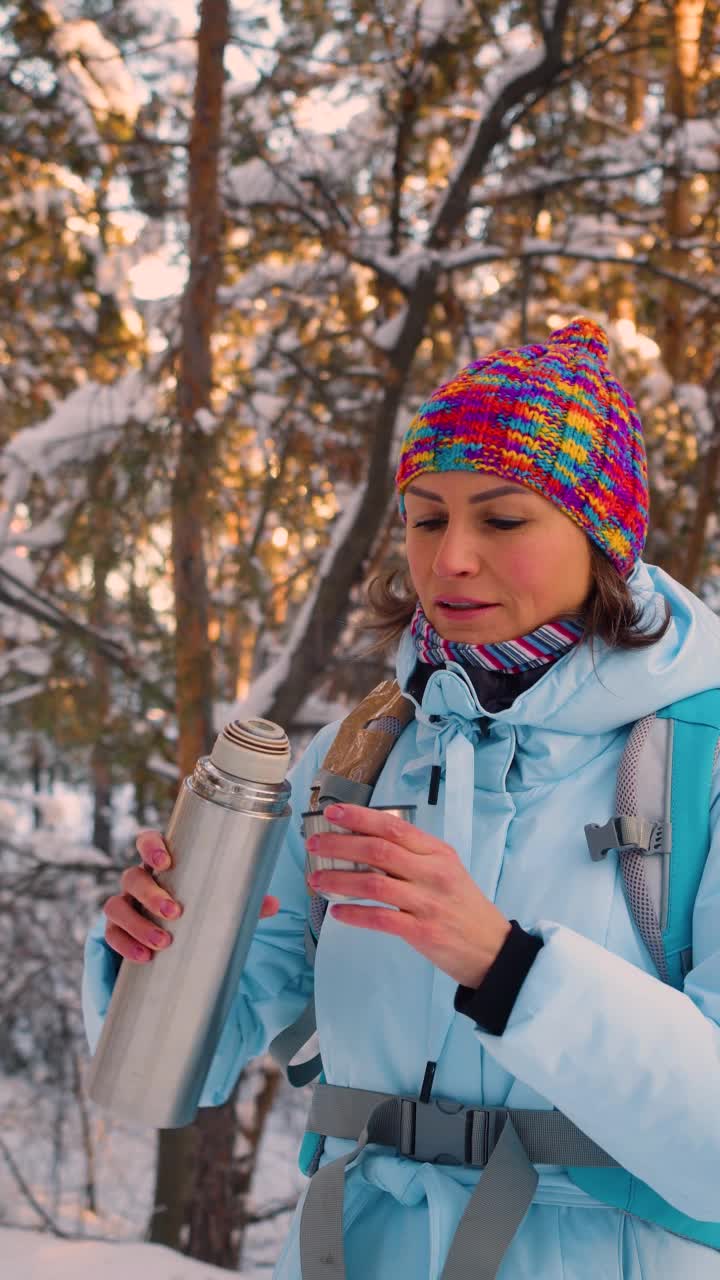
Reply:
x=597 y=690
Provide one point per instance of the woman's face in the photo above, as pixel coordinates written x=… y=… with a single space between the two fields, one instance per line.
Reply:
x=477 y=538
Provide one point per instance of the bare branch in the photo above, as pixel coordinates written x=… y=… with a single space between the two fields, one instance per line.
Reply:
x=268 y=1215
x=640 y=261
x=12 y=1166
x=493 y=126
x=16 y=594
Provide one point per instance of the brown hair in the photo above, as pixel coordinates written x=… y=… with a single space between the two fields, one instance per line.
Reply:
x=610 y=613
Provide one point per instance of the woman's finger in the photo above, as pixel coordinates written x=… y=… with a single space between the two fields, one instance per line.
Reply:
x=153 y=850
x=370 y=850
x=129 y=948
x=139 y=884
x=387 y=826
x=374 y=886
x=120 y=911
x=436 y=869
x=399 y=923
x=131 y=941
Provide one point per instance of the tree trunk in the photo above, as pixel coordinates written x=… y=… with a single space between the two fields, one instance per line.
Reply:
x=686 y=19
x=195 y=1205
x=180 y=1196
x=191 y=484
x=707 y=500
x=213 y=1220
x=638 y=68
x=101 y=755
x=176 y=1154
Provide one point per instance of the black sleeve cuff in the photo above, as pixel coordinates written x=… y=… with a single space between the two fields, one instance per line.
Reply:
x=491 y=1004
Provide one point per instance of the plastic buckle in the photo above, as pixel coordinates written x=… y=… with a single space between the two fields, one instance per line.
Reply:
x=627 y=833
x=601 y=839
x=440 y=1132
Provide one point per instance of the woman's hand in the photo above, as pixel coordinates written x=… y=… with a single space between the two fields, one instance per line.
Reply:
x=441 y=912
x=128 y=930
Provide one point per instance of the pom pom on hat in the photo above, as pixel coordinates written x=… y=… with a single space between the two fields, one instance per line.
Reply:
x=550 y=416
x=585 y=333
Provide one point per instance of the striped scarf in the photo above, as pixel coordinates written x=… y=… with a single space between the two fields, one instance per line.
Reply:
x=537 y=649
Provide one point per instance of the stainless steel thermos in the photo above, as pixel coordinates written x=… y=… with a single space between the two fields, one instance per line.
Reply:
x=165 y=1017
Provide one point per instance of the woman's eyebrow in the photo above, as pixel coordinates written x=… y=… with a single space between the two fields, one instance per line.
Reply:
x=498 y=492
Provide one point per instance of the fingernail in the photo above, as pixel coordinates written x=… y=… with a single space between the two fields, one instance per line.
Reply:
x=169 y=909
x=313 y=844
x=139 y=953
x=158 y=857
x=334 y=813
x=158 y=938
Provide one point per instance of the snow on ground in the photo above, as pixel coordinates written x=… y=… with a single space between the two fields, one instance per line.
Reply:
x=32 y=1255
x=124 y=1166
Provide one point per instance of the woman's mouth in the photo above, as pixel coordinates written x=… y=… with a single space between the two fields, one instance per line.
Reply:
x=462 y=608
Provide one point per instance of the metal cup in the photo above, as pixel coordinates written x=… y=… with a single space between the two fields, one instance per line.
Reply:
x=316 y=822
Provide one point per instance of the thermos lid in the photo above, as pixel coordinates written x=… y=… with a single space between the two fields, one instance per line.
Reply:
x=254 y=749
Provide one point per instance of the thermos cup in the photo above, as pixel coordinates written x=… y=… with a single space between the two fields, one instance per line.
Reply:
x=314 y=821
x=165 y=1017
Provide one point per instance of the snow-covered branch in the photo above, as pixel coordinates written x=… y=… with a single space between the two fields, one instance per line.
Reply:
x=87 y=423
x=532 y=73
x=19 y=595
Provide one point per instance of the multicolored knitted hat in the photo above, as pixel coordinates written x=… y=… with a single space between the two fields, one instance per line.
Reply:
x=551 y=416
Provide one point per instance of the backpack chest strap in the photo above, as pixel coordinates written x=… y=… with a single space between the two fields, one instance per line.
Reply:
x=445 y=1132
x=504 y=1142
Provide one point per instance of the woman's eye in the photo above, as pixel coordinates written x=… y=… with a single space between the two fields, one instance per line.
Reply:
x=428 y=524
x=506 y=524
x=493 y=521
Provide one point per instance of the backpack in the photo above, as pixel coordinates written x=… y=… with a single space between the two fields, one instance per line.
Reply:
x=661 y=833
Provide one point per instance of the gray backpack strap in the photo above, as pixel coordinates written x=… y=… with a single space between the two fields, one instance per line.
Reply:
x=290 y=1041
x=361 y=746
x=504 y=1143
x=445 y=1132
x=494 y=1212
x=322 y=1247
x=329 y=787
x=641 y=831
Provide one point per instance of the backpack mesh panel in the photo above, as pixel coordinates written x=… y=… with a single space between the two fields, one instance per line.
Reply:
x=626 y=793
x=316 y=914
x=632 y=862
x=632 y=865
x=385 y=724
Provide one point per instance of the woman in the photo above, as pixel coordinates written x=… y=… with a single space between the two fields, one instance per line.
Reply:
x=509 y=972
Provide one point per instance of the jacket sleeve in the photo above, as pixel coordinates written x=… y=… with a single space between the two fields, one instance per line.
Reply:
x=632 y=1061
x=277 y=980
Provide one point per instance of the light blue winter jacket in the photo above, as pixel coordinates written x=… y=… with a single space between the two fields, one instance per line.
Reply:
x=634 y=1063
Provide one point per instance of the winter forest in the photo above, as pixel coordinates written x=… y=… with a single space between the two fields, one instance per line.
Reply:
x=239 y=245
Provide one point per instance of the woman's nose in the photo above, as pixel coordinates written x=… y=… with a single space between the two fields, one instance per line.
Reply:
x=456 y=554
